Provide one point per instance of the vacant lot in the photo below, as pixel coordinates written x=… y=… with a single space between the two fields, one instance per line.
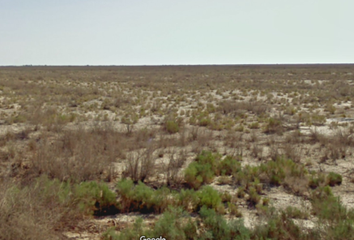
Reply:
x=182 y=152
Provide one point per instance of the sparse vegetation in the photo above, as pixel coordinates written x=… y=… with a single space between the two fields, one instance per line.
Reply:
x=188 y=146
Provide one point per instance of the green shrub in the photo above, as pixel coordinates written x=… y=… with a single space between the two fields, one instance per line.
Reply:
x=293 y=212
x=209 y=197
x=280 y=169
x=95 y=198
x=196 y=174
x=162 y=199
x=328 y=207
x=143 y=198
x=254 y=198
x=110 y=234
x=241 y=192
x=131 y=233
x=274 y=126
x=266 y=201
x=234 y=210
x=207 y=157
x=226 y=197
x=202 y=170
x=216 y=227
x=334 y=179
x=322 y=193
x=317 y=180
x=278 y=226
x=126 y=190
x=188 y=199
x=247 y=175
x=229 y=165
x=171 y=126
x=344 y=229
x=172 y=225
x=204 y=122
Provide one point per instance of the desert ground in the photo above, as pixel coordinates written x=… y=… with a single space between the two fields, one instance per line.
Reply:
x=181 y=152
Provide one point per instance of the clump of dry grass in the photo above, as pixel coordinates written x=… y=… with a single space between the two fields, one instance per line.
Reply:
x=32 y=213
x=78 y=155
x=173 y=167
x=140 y=164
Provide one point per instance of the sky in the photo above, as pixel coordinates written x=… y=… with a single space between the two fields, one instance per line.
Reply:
x=171 y=32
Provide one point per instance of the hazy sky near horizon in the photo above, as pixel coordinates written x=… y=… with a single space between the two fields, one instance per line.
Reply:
x=162 y=32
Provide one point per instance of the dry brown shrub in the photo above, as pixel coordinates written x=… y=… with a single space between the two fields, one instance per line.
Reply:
x=172 y=169
x=336 y=146
x=140 y=164
x=79 y=155
x=29 y=213
x=205 y=136
x=292 y=151
x=257 y=151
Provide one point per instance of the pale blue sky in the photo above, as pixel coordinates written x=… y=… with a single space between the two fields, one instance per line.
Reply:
x=164 y=32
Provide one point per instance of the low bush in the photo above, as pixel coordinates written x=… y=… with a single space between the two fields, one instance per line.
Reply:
x=254 y=198
x=328 y=207
x=229 y=165
x=317 y=180
x=125 y=189
x=143 y=198
x=171 y=126
x=216 y=227
x=77 y=155
x=209 y=197
x=172 y=169
x=334 y=179
x=95 y=198
x=46 y=206
x=197 y=174
x=277 y=171
x=130 y=233
x=274 y=126
x=140 y=164
x=293 y=212
x=278 y=226
x=233 y=210
x=188 y=199
x=202 y=170
x=173 y=224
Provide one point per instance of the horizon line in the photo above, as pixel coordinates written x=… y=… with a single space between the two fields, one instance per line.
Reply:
x=171 y=65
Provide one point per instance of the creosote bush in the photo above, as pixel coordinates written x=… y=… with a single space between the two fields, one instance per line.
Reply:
x=209 y=197
x=207 y=165
x=202 y=170
x=229 y=165
x=143 y=198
